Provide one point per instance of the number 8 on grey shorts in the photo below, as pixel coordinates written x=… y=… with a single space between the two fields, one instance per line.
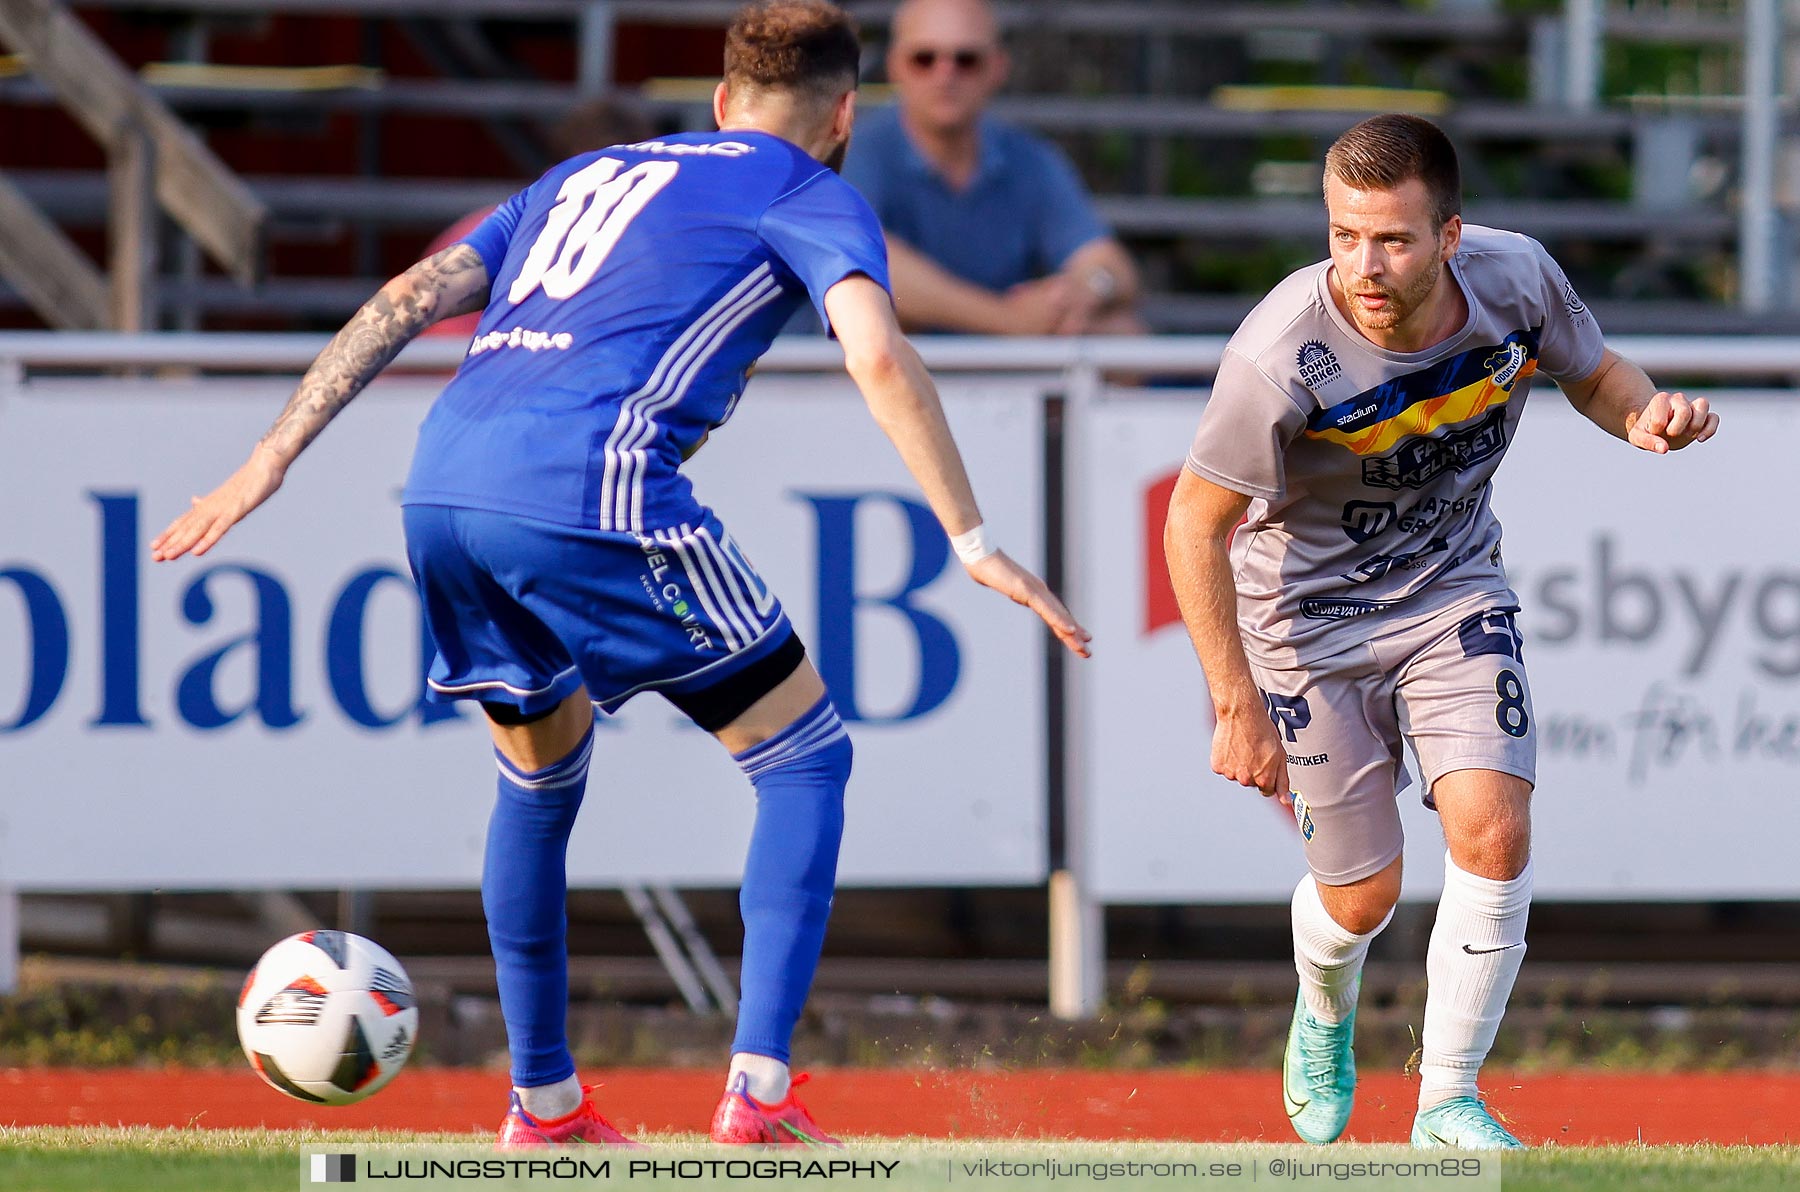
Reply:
x=1453 y=685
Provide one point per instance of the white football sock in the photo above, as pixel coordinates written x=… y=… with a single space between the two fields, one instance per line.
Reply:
x=1328 y=956
x=547 y=1101
x=1470 y=966
x=767 y=1077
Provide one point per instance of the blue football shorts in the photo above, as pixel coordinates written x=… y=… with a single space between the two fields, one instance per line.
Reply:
x=524 y=612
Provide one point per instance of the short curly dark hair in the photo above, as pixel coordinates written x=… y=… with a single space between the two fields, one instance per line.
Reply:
x=793 y=45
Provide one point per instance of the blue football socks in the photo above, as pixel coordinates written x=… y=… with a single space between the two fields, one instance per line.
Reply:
x=524 y=890
x=799 y=775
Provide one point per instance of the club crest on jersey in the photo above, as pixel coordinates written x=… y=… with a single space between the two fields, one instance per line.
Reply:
x=1507 y=363
x=1318 y=364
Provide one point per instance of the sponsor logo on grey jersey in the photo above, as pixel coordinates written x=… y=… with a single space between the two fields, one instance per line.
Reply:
x=1318 y=364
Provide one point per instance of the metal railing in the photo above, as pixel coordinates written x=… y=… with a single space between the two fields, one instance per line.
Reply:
x=1722 y=357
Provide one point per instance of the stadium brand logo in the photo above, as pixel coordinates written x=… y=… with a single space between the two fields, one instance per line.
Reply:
x=684 y=149
x=1420 y=461
x=1318 y=364
x=253 y=612
x=522 y=337
x=1353 y=415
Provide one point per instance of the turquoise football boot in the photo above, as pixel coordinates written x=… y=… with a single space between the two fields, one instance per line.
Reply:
x=1463 y=1123
x=1318 y=1075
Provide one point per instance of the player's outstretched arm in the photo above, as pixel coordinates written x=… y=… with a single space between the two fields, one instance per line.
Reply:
x=448 y=283
x=1622 y=401
x=1202 y=515
x=898 y=389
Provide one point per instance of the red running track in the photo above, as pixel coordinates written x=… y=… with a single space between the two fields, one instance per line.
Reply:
x=1568 y=1108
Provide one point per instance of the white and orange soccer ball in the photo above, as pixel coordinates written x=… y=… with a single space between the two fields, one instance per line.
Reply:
x=328 y=1017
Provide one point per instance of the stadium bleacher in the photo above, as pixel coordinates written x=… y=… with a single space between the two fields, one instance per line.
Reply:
x=364 y=126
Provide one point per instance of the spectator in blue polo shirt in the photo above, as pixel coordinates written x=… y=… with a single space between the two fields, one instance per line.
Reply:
x=989 y=230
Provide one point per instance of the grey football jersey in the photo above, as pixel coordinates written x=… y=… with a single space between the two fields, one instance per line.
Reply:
x=1370 y=469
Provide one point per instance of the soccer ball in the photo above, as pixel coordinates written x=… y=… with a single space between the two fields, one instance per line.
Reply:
x=328 y=1017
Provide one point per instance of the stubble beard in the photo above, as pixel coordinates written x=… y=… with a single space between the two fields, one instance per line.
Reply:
x=1400 y=303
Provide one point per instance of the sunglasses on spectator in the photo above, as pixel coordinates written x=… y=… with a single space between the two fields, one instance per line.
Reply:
x=965 y=61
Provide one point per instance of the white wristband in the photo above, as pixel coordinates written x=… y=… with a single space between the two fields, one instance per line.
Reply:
x=973 y=546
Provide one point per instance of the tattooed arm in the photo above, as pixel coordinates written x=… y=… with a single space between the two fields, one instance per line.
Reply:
x=452 y=282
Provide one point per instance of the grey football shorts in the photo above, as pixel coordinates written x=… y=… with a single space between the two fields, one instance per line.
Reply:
x=1454 y=686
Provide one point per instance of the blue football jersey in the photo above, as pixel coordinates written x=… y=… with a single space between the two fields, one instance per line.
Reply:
x=632 y=290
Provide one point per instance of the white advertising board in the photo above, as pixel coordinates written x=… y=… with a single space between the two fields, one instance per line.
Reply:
x=1661 y=614
x=253 y=718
